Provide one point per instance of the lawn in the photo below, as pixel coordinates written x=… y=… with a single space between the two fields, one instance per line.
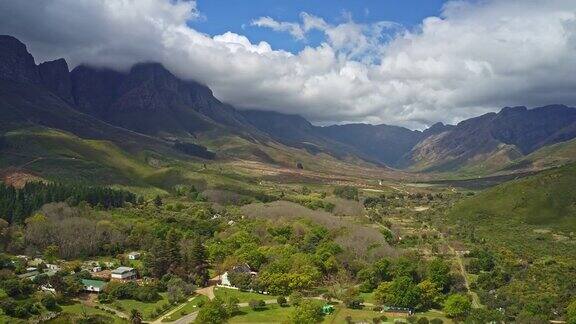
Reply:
x=368 y=297
x=243 y=296
x=126 y=305
x=272 y=314
x=358 y=315
x=79 y=309
x=367 y=314
x=190 y=307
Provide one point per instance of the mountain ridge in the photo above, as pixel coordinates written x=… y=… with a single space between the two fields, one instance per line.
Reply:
x=150 y=100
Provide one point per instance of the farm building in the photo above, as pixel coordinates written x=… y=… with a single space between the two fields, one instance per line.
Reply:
x=124 y=273
x=93 y=285
x=243 y=268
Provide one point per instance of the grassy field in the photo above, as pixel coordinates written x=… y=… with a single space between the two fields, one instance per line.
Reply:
x=242 y=296
x=126 y=305
x=77 y=310
x=272 y=314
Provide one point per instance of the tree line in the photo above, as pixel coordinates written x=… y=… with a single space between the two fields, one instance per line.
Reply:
x=17 y=204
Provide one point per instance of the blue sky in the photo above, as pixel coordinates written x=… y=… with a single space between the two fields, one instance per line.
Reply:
x=220 y=16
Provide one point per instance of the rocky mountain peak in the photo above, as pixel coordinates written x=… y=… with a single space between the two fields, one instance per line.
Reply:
x=16 y=63
x=56 y=77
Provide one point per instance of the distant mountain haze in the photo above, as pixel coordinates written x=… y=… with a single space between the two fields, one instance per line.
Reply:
x=151 y=104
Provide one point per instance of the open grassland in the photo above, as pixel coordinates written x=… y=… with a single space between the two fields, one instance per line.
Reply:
x=243 y=296
x=77 y=311
x=272 y=314
x=147 y=309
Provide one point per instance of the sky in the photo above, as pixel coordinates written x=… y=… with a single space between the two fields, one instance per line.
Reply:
x=399 y=62
x=239 y=14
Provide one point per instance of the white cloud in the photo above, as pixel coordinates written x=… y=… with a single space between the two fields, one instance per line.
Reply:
x=476 y=57
x=293 y=28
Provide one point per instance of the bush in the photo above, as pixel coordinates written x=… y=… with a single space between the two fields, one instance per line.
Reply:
x=423 y=320
x=347 y=192
x=436 y=321
x=257 y=305
x=281 y=300
x=296 y=298
x=377 y=308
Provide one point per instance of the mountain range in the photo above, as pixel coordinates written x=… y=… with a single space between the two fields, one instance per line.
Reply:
x=149 y=108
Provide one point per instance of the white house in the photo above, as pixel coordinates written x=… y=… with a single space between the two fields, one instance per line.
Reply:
x=134 y=255
x=124 y=273
x=93 y=285
x=243 y=268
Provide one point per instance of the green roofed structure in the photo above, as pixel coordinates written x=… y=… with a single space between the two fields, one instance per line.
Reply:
x=94 y=285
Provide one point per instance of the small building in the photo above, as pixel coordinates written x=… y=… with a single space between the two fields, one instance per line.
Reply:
x=134 y=255
x=93 y=285
x=53 y=267
x=243 y=268
x=124 y=273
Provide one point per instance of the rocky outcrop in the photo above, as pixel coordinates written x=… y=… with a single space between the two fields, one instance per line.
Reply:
x=16 y=63
x=56 y=77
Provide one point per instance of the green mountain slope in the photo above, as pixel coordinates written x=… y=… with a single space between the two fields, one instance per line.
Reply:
x=547 y=157
x=544 y=201
x=530 y=226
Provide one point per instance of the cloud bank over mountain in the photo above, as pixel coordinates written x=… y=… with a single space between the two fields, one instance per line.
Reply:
x=477 y=56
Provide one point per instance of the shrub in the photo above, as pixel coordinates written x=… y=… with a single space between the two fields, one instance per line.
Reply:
x=281 y=300
x=296 y=298
x=347 y=192
x=423 y=320
x=257 y=304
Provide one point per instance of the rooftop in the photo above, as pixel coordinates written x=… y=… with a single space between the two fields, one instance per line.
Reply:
x=121 y=270
x=94 y=283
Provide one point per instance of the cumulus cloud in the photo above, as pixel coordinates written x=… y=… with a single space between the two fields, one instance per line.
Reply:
x=477 y=56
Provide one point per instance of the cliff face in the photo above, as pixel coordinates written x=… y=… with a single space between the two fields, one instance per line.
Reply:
x=56 y=77
x=16 y=64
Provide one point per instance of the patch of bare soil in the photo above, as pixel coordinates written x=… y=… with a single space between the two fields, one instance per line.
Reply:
x=18 y=179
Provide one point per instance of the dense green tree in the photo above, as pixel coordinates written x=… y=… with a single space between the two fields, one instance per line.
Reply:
x=17 y=204
x=571 y=312
x=196 y=261
x=307 y=312
x=347 y=192
x=439 y=273
x=400 y=292
x=457 y=306
x=483 y=315
x=430 y=294
x=213 y=312
x=172 y=249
